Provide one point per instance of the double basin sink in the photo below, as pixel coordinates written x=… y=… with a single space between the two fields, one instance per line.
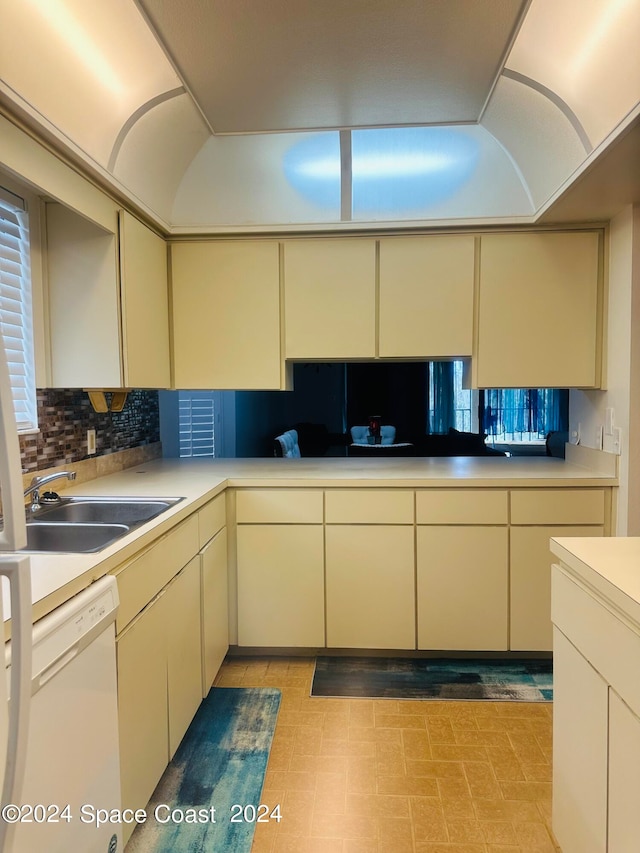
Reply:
x=88 y=524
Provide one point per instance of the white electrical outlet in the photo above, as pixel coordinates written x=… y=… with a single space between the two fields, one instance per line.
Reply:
x=91 y=442
x=608 y=421
x=599 y=437
x=617 y=440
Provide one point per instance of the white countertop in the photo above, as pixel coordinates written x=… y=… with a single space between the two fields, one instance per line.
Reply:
x=57 y=577
x=609 y=565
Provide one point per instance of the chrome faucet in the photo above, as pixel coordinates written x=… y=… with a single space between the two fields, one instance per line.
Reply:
x=37 y=482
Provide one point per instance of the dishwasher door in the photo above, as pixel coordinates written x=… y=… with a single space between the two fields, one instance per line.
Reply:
x=73 y=766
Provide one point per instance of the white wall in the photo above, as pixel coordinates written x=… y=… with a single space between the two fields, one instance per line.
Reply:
x=587 y=408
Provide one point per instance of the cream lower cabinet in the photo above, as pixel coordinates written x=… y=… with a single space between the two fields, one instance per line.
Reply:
x=215 y=608
x=624 y=776
x=184 y=651
x=580 y=727
x=212 y=535
x=463 y=569
x=370 y=569
x=280 y=565
x=536 y=516
x=370 y=587
x=280 y=585
x=143 y=714
x=596 y=710
x=463 y=596
x=159 y=658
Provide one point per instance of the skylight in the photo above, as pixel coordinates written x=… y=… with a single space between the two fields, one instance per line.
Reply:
x=397 y=172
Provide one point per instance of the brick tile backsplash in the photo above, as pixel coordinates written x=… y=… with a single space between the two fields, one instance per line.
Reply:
x=64 y=416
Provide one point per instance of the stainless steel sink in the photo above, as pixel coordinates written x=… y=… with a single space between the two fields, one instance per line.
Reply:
x=72 y=538
x=88 y=524
x=129 y=511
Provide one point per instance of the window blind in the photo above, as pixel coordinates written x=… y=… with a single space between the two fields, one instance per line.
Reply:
x=15 y=307
x=195 y=418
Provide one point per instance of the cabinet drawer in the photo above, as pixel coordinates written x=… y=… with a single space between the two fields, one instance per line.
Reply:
x=558 y=506
x=142 y=579
x=462 y=506
x=211 y=519
x=611 y=646
x=279 y=506
x=369 y=506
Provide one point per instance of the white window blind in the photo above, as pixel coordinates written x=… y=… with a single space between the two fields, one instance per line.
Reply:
x=15 y=306
x=195 y=417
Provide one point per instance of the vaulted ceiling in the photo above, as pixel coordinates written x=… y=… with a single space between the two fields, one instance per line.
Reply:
x=234 y=116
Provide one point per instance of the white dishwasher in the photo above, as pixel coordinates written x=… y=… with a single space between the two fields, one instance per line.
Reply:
x=73 y=769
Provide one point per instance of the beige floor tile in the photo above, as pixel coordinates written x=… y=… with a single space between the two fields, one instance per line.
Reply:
x=507 y=810
x=370 y=733
x=381 y=805
x=458 y=809
x=319 y=763
x=498 y=832
x=331 y=800
x=360 y=845
x=430 y=830
x=344 y=826
x=416 y=744
x=399 y=721
x=440 y=730
x=392 y=776
x=408 y=786
x=526 y=790
x=481 y=738
x=465 y=831
x=534 y=837
x=481 y=780
x=453 y=789
x=435 y=769
x=505 y=765
x=456 y=752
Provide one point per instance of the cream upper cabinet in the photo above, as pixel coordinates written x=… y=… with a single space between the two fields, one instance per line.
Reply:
x=330 y=298
x=108 y=324
x=145 y=305
x=226 y=315
x=83 y=302
x=426 y=296
x=538 y=323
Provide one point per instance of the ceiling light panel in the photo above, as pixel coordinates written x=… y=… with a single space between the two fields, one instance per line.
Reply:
x=264 y=67
x=586 y=52
x=84 y=67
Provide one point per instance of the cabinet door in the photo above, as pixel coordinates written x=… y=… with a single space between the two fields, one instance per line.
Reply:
x=84 y=302
x=426 y=296
x=184 y=651
x=624 y=777
x=580 y=711
x=226 y=315
x=538 y=320
x=463 y=588
x=330 y=298
x=280 y=585
x=143 y=717
x=530 y=584
x=215 y=608
x=145 y=305
x=370 y=587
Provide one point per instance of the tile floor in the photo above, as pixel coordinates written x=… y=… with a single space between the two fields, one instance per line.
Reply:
x=389 y=776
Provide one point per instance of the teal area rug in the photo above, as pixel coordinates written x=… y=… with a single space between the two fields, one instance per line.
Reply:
x=209 y=794
x=441 y=678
